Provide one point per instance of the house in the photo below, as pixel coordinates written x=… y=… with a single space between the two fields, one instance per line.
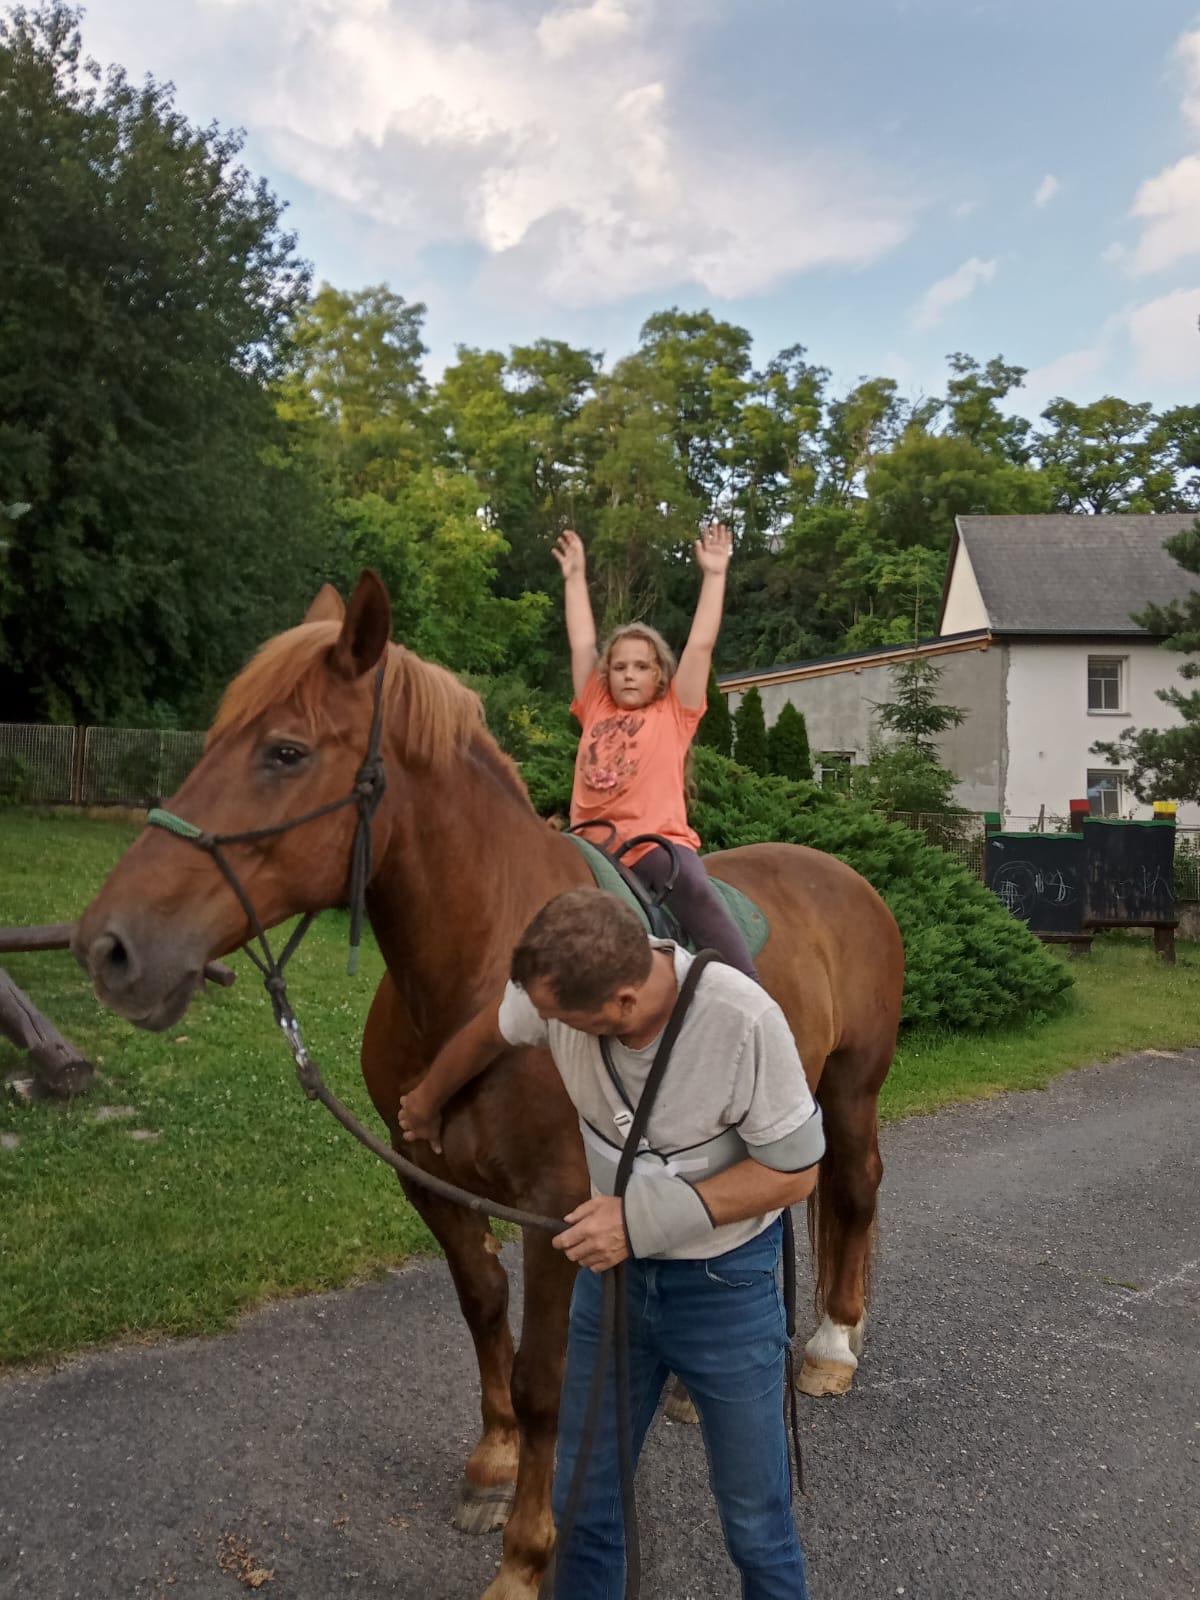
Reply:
x=1037 y=646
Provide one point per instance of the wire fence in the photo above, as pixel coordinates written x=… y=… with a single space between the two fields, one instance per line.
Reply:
x=93 y=766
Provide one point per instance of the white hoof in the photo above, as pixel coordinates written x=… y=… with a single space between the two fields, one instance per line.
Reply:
x=830 y=1359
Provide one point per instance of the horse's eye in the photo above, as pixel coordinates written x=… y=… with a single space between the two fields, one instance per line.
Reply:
x=282 y=754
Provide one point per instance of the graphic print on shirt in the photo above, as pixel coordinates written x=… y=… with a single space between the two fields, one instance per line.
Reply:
x=610 y=756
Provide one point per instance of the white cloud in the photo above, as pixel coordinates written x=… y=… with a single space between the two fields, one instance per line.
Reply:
x=565 y=141
x=1188 y=51
x=949 y=291
x=1071 y=374
x=964 y=209
x=1168 y=205
x=1166 y=340
x=1046 y=190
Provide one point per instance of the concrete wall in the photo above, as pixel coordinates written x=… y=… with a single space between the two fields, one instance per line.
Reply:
x=1051 y=730
x=840 y=711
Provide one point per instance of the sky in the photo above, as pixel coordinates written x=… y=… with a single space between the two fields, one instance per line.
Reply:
x=882 y=182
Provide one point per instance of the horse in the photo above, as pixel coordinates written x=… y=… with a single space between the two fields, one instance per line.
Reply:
x=461 y=862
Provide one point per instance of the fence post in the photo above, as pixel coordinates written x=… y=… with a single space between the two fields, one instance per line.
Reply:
x=77 y=765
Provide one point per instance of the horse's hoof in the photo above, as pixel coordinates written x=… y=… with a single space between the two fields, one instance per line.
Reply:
x=483 y=1509
x=511 y=1586
x=819 y=1376
x=678 y=1407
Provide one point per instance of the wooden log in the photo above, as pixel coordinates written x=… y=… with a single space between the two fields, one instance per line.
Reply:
x=58 y=936
x=57 y=1064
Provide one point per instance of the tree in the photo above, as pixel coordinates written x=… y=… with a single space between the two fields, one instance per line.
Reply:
x=750 y=731
x=716 y=726
x=145 y=290
x=972 y=396
x=1164 y=763
x=914 y=716
x=354 y=381
x=788 y=754
x=1112 y=455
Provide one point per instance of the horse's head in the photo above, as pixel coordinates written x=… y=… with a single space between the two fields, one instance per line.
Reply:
x=289 y=738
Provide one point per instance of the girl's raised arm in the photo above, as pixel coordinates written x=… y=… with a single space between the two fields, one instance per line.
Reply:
x=713 y=552
x=581 y=625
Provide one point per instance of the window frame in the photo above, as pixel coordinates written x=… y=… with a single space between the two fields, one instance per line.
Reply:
x=1121 y=663
x=1121 y=777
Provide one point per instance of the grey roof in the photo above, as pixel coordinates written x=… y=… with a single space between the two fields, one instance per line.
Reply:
x=1074 y=574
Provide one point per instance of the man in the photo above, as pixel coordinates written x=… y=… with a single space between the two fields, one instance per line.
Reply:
x=734 y=1136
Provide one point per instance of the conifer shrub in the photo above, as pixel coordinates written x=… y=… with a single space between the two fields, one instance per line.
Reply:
x=750 y=732
x=788 y=755
x=716 y=725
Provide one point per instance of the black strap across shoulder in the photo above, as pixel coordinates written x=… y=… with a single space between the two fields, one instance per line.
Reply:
x=662 y=1056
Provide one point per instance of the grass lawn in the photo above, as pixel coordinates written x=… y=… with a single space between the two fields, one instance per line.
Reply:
x=247 y=1191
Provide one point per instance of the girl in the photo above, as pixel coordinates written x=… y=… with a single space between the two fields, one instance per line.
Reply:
x=638 y=713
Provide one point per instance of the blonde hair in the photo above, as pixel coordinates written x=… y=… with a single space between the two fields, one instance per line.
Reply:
x=663 y=654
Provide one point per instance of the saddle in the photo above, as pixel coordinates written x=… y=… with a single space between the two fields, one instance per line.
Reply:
x=611 y=874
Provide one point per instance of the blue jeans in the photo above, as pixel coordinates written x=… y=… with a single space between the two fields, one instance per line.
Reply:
x=720 y=1325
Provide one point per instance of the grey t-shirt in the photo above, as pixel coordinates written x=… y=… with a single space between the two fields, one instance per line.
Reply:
x=734 y=1077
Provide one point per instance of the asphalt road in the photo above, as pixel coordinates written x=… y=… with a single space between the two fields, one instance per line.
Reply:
x=1026 y=1419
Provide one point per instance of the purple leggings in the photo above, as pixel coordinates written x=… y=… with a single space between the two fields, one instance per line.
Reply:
x=700 y=910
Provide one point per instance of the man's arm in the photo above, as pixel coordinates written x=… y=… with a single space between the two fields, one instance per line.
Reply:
x=471 y=1049
x=597 y=1236
x=713 y=553
x=581 y=625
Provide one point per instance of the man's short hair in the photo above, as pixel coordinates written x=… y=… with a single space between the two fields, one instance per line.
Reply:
x=586 y=945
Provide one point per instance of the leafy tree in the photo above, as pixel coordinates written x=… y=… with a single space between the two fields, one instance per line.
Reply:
x=788 y=755
x=354 y=381
x=1111 y=456
x=145 y=290
x=973 y=394
x=750 y=732
x=716 y=726
x=897 y=777
x=1165 y=762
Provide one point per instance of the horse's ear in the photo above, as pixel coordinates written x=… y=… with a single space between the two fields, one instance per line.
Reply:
x=327 y=607
x=366 y=628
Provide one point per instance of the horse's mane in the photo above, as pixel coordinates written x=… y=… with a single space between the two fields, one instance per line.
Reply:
x=432 y=714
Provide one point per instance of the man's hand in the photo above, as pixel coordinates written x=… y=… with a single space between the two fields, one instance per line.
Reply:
x=596 y=1237
x=714 y=549
x=418 y=1123
x=569 y=554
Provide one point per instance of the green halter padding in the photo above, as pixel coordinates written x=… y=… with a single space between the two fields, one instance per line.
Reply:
x=158 y=818
x=749 y=917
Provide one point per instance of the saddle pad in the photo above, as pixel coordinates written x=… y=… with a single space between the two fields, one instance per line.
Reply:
x=750 y=917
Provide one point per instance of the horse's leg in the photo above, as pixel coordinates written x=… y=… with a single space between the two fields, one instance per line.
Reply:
x=392 y=1060
x=536 y=1381
x=482 y=1286
x=841 y=1220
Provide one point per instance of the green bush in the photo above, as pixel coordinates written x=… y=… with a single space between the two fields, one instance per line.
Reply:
x=970 y=964
x=788 y=755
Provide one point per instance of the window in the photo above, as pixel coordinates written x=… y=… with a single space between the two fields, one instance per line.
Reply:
x=1106 y=793
x=832 y=769
x=1105 y=683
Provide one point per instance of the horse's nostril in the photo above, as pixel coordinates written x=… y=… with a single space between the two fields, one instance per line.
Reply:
x=112 y=960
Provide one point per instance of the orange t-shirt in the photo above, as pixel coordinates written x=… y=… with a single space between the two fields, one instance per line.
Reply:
x=629 y=769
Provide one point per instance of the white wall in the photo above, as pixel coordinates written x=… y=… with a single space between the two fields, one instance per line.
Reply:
x=964 y=604
x=1051 y=731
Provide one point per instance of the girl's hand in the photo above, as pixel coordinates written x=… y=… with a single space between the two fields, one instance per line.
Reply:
x=569 y=554
x=714 y=549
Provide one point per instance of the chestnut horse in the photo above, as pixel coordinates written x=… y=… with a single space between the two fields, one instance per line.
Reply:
x=462 y=862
